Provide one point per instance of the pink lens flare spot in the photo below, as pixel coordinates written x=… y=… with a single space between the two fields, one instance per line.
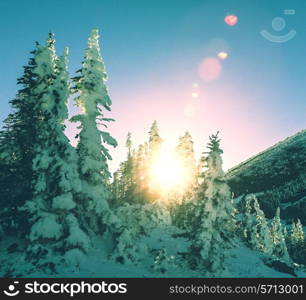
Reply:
x=231 y=20
x=210 y=69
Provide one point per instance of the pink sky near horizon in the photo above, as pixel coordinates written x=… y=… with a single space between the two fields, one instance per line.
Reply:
x=225 y=108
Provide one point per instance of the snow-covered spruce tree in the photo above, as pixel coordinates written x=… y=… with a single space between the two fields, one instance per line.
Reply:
x=55 y=235
x=148 y=238
x=93 y=99
x=185 y=152
x=279 y=245
x=214 y=223
x=255 y=227
x=16 y=153
x=183 y=195
x=132 y=175
x=297 y=233
x=139 y=221
x=296 y=243
x=155 y=140
x=153 y=150
x=140 y=174
x=125 y=178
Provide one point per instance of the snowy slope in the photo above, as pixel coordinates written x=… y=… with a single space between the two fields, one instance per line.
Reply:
x=240 y=262
x=277 y=176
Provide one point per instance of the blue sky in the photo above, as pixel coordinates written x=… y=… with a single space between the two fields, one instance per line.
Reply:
x=152 y=51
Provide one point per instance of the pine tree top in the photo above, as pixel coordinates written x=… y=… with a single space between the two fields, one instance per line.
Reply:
x=214 y=143
x=50 y=43
x=91 y=80
x=185 y=144
x=128 y=142
x=154 y=136
x=154 y=128
x=186 y=138
x=61 y=86
x=62 y=61
x=93 y=40
x=187 y=134
x=277 y=214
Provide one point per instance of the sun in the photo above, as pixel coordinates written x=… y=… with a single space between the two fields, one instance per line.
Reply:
x=167 y=173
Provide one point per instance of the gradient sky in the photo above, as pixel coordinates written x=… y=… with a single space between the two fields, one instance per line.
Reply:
x=152 y=51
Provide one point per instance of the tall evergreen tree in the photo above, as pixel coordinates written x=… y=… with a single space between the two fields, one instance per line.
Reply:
x=185 y=152
x=152 y=151
x=214 y=217
x=93 y=99
x=140 y=174
x=16 y=151
x=125 y=178
x=296 y=242
x=255 y=227
x=297 y=233
x=129 y=144
x=128 y=171
x=155 y=140
x=55 y=233
x=181 y=205
x=278 y=240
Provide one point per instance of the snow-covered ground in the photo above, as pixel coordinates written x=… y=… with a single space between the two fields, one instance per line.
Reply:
x=240 y=262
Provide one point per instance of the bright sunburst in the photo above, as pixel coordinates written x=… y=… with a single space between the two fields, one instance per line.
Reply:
x=167 y=172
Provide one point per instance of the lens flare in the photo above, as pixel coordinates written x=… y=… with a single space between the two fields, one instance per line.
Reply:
x=195 y=85
x=231 y=20
x=210 y=69
x=222 y=55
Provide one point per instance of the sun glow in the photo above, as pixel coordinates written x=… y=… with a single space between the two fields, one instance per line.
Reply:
x=167 y=173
